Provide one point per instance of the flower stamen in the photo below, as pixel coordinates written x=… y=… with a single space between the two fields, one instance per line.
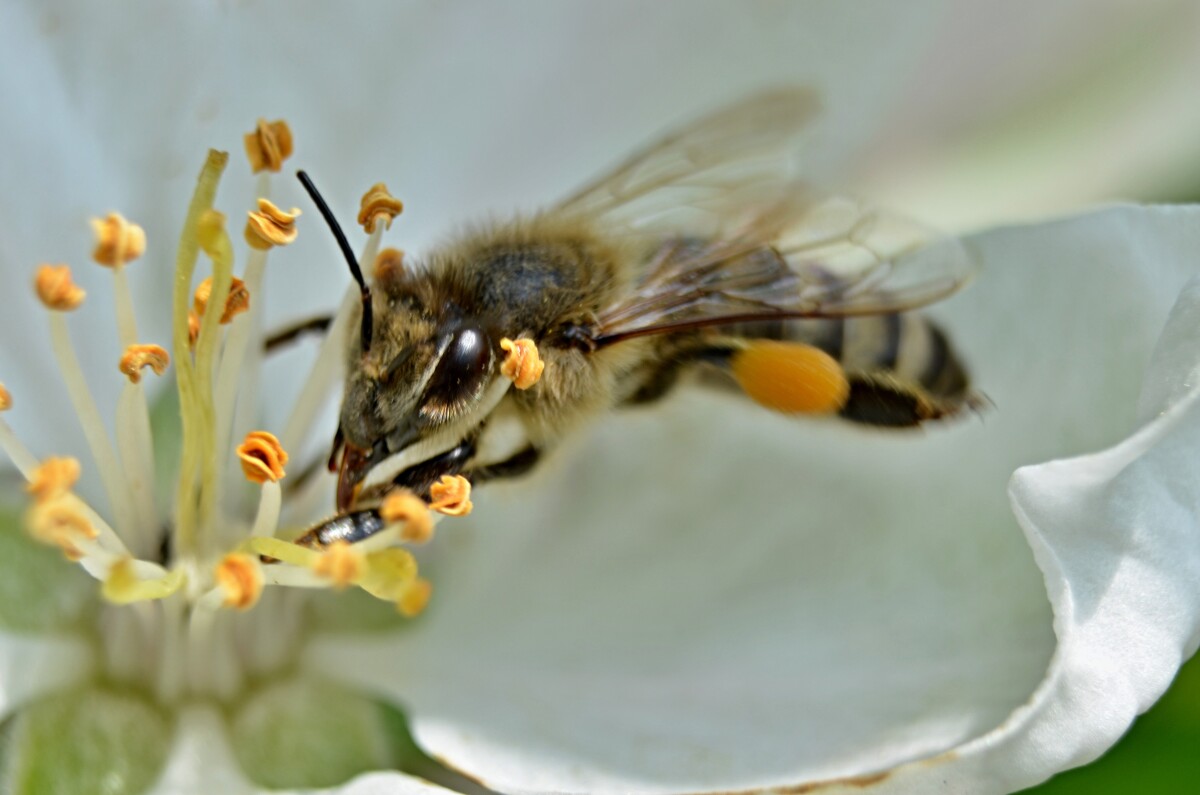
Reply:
x=415 y=598
x=270 y=226
x=237 y=300
x=56 y=289
x=409 y=510
x=341 y=564
x=451 y=495
x=263 y=457
x=378 y=206
x=269 y=145
x=523 y=364
x=118 y=242
x=137 y=357
x=53 y=478
x=240 y=578
x=123 y=586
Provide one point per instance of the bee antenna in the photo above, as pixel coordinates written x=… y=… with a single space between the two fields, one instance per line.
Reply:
x=367 y=321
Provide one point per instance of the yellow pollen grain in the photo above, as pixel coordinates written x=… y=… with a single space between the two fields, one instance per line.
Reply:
x=388 y=264
x=238 y=300
x=415 y=598
x=791 y=377
x=270 y=226
x=523 y=364
x=268 y=145
x=404 y=506
x=341 y=564
x=117 y=241
x=240 y=577
x=378 y=205
x=137 y=357
x=263 y=457
x=5 y=399
x=53 y=478
x=451 y=495
x=56 y=289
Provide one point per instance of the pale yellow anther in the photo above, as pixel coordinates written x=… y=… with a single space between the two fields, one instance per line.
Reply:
x=269 y=145
x=402 y=506
x=389 y=573
x=414 y=599
x=5 y=399
x=137 y=357
x=451 y=495
x=238 y=300
x=523 y=364
x=263 y=457
x=53 y=478
x=117 y=240
x=270 y=226
x=240 y=577
x=388 y=264
x=341 y=564
x=378 y=206
x=60 y=523
x=56 y=289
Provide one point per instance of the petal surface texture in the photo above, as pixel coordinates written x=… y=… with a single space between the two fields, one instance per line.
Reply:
x=711 y=597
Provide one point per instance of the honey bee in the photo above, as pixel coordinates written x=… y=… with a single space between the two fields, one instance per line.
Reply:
x=698 y=258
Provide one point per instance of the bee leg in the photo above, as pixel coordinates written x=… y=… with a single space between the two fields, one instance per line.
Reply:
x=885 y=401
x=289 y=334
x=518 y=464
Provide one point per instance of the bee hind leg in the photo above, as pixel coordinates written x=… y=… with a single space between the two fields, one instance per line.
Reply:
x=516 y=465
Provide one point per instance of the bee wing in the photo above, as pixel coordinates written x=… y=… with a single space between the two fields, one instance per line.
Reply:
x=732 y=151
x=798 y=256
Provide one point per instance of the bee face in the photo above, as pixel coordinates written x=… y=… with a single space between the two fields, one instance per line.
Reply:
x=425 y=376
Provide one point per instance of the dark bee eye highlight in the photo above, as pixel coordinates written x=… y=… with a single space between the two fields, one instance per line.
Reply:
x=460 y=375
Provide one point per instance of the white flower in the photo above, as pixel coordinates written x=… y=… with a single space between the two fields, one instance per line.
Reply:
x=757 y=605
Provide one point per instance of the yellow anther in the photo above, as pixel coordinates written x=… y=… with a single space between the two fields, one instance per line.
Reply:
x=5 y=399
x=117 y=240
x=523 y=364
x=388 y=264
x=389 y=573
x=53 y=478
x=56 y=289
x=414 y=599
x=263 y=457
x=240 y=576
x=378 y=205
x=341 y=564
x=123 y=587
x=137 y=357
x=269 y=145
x=59 y=523
x=236 y=302
x=404 y=506
x=451 y=495
x=270 y=226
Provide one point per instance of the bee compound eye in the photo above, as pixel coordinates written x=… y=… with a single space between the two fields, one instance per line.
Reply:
x=460 y=373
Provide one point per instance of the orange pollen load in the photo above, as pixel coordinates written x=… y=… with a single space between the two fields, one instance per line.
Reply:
x=117 y=241
x=53 y=478
x=451 y=495
x=404 y=506
x=137 y=357
x=791 y=377
x=263 y=457
x=56 y=289
x=270 y=226
x=268 y=146
x=240 y=576
x=523 y=364
x=237 y=302
x=378 y=205
x=389 y=264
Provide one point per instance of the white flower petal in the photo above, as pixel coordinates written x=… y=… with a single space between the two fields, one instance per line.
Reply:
x=714 y=598
x=31 y=666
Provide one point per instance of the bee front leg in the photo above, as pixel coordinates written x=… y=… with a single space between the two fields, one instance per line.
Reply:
x=516 y=465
